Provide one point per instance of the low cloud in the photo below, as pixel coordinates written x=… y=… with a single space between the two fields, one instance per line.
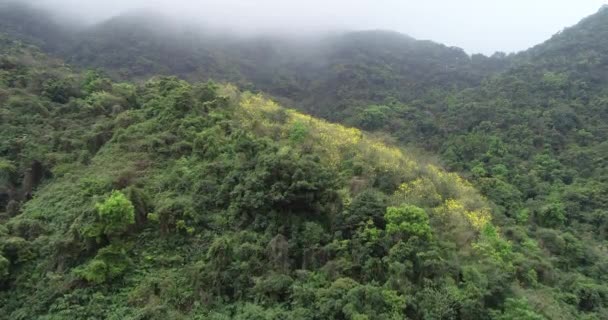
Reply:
x=475 y=25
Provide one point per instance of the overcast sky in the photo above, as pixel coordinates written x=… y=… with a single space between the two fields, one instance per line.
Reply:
x=482 y=26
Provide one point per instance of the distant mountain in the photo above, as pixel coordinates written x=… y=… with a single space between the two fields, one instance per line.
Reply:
x=33 y=25
x=579 y=52
x=328 y=71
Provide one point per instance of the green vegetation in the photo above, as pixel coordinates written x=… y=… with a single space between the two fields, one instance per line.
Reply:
x=172 y=199
x=116 y=214
x=177 y=200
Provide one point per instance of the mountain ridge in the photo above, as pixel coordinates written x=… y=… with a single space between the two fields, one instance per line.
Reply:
x=221 y=59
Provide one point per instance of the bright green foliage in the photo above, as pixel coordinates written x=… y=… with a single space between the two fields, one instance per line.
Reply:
x=298 y=132
x=493 y=246
x=347 y=299
x=109 y=263
x=407 y=221
x=517 y=309
x=116 y=214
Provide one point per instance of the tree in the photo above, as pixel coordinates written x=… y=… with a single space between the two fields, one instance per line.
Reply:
x=111 y=262
x=8 y=172
x=369 y=205
x=406 y=221
x=373 y=117
x=553 y=214
x=298 y=132
x=116 y=214
x=517 y=309
x=59 y=90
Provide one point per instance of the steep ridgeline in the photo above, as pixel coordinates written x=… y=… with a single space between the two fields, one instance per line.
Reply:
x=534 y=141
x=578 y=52
x=322 y=74
x=170 y=200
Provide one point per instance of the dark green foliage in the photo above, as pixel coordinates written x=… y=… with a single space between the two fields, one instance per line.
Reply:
x=59 y=90
x=518 y=309
x=326 y=74
x=373 y=117
x=4 y=268
x=223 y=211
x=223 y=216
x=369 y=205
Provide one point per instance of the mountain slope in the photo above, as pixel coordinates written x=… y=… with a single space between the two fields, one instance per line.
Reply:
x=579 y=51
x=533 y=140
x=344 y=69
x=530 y=137
x=177 y=200
x=24 y=22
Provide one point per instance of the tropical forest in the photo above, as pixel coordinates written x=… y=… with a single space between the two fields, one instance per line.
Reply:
x=153 y=170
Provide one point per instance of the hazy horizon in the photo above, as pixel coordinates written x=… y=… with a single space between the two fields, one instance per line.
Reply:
x=474 y=25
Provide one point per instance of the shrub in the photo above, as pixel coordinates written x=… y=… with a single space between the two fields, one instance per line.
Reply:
x=110 y=263
x=116 y=213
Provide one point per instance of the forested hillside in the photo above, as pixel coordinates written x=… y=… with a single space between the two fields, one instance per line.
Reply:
x=159 y=198
x=533 y=140
x=172 y=200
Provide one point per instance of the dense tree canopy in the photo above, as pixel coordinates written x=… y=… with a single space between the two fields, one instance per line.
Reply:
x=162 y=198
x=175 y=200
